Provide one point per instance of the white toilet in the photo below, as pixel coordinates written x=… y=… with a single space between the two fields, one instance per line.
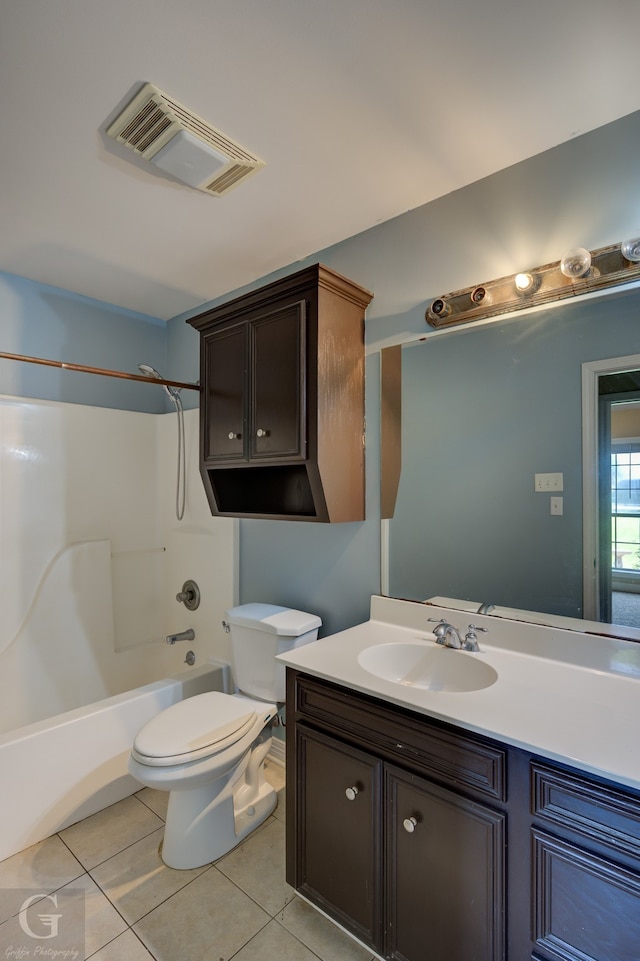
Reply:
x=208 y=751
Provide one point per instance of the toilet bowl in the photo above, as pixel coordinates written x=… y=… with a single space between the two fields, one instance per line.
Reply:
x=208 y=751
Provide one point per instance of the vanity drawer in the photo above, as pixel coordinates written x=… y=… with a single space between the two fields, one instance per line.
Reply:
x=605 y=815
x=423 y=744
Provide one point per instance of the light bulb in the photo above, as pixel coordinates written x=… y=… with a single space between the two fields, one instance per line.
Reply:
x=438 y=309
x=479 y=296
x=523 y=282
x=630 y=250
x=576 y=263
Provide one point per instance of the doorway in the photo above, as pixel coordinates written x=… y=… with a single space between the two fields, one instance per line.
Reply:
x=619 y=500
x=611 y=489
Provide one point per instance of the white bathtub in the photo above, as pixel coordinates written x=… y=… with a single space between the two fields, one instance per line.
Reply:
x=58 y=771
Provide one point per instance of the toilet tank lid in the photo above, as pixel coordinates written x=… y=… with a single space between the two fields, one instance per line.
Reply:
x=273 y=619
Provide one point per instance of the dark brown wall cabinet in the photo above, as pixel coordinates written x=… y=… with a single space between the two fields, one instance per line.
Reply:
x=282 y=401
x=429 y=843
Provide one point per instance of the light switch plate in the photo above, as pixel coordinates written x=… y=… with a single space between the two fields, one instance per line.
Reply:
x=556 y=505
x=549 y=482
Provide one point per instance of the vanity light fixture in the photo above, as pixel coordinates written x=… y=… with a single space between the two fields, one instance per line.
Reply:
x=579 y=272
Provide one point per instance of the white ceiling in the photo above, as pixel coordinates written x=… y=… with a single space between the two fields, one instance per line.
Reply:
x=362 y=109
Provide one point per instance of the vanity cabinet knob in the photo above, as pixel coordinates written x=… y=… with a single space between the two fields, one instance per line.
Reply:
x=352 y=793
x=262 y=433
x=233 y=436
x=410 y=824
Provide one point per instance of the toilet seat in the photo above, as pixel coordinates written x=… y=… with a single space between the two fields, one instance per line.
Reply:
x=197 y=727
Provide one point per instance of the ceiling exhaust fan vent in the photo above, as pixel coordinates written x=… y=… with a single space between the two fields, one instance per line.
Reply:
x=162 y=131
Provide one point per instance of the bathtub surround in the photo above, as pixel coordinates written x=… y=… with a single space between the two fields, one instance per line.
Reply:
x=92 y=556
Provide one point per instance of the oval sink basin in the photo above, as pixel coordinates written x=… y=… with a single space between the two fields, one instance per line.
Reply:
x=430 y=668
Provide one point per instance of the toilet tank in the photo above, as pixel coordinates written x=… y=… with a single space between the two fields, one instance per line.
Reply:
x=258 y=633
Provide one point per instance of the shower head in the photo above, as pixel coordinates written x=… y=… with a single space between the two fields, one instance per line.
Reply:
x=148 y=371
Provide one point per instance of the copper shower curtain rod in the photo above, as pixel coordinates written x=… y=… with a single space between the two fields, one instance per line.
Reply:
x=97 y=370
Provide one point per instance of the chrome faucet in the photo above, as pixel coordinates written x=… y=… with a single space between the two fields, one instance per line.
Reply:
x=449 y=636
x=188 y=635
x=446 y=634
x=485 y=607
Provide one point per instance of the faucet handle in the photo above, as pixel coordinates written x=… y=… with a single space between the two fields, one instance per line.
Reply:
x=471 y=638
x=441 y=630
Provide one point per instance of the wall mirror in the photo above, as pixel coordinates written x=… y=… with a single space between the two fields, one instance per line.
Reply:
x=484 y=410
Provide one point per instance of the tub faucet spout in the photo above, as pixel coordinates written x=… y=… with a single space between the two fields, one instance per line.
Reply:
x=188 y=635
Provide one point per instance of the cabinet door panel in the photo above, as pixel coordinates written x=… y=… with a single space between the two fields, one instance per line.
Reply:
x=586 y=908
x=224 y=377
x=445 y=875
x=278 y=384
x=338 y=839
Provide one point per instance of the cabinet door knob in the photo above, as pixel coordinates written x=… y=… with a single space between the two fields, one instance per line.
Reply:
x=262 y=433
x=409 y=824
x=351 y=793
x=233 y=436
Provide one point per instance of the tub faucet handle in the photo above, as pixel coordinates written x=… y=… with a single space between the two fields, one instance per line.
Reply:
x=189 y=595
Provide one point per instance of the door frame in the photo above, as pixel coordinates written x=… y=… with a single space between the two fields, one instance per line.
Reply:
x=591 y=373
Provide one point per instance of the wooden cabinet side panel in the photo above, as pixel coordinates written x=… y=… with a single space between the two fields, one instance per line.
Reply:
x=390 y=427
x=340 y=405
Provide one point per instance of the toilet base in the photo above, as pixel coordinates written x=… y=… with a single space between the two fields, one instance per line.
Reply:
x=206 y=822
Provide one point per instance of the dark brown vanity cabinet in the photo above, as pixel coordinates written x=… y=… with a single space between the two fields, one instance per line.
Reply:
x=430 y=843
x=413 y=867
x=282 y=402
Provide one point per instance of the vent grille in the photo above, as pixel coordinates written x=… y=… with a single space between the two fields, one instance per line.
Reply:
x=230 y=177
x=152 y=119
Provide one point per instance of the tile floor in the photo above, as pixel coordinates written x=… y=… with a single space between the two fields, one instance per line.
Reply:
x=131 y=907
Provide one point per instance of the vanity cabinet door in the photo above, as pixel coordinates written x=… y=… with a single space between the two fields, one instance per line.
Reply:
x=445 y=885
x=338 y=832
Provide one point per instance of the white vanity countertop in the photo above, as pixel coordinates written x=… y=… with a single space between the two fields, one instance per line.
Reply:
x=567 y=696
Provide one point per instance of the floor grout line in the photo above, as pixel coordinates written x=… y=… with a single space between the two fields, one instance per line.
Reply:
x=87 y=876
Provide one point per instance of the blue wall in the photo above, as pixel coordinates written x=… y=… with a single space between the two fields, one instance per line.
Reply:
x=43 y=321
